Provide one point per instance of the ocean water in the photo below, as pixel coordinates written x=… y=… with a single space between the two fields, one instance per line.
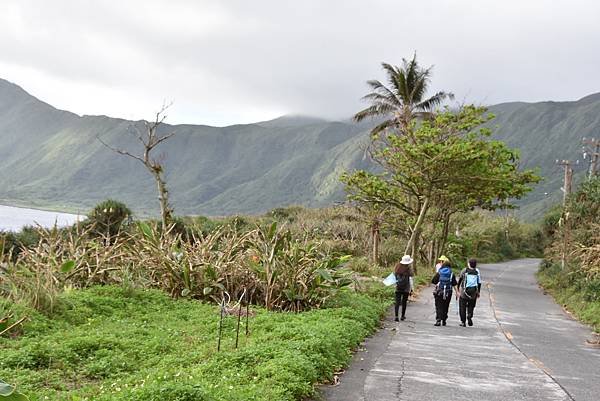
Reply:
x=14 y=218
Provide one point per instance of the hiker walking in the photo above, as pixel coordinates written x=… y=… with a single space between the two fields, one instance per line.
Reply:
x=404 y=285
x=469 y=283
x=444 y=281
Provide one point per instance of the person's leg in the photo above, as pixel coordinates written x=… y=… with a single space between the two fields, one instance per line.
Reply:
x=438 y=309
x=404 y=303
x=446 y=306
x=462 y=307
x=470 y=308
x=397 y=304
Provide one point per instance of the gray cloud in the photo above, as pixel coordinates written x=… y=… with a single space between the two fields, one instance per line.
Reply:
x=224 y=62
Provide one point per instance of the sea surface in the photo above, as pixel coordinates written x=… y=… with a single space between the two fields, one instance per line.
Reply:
x=14 y=218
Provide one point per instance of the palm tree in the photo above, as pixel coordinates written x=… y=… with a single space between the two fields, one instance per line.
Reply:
x=404 y=99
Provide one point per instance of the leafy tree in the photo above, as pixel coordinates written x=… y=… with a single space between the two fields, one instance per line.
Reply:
x=399 y=103
x=404 y=99
x=448 y=163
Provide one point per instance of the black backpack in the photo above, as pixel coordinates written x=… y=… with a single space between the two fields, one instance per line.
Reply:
x=402 y=282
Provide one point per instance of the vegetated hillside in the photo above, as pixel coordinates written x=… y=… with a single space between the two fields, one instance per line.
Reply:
x=52 y=158
x=55 y=159
x=545 y=132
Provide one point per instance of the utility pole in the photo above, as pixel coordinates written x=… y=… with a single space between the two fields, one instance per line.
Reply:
x=591 y=148
x=565 y=223
x=568 y=180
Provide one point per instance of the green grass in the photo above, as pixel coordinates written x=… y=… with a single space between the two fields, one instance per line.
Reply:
x=581 y=299
x=107 y=343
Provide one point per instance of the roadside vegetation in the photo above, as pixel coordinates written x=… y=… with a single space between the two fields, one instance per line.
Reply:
x=571 y=268
x=110 y=343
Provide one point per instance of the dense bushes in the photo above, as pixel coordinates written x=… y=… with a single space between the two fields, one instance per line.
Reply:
x=290 y=259
x=571 y=269
x=13 y=243
x=274 y=268
x=491 y=238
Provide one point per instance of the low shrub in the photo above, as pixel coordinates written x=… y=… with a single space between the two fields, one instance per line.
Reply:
x=110 y=343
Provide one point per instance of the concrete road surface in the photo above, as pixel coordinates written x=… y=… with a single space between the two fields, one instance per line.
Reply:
x=522 y=347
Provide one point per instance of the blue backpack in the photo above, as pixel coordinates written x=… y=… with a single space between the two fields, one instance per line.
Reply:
x=444 y=287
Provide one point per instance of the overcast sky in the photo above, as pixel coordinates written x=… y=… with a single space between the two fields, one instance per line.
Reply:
x=235 y=61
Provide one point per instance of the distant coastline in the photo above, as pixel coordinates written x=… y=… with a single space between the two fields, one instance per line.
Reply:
x=14 y=218
x=43 y=206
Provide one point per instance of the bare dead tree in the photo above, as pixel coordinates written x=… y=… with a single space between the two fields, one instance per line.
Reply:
x=150 y=139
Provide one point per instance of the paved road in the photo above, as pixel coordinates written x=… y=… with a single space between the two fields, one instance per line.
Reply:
x=522 y=347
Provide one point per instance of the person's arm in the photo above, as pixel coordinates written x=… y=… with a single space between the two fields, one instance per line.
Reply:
x=412 y=283
x=455 y=284
x=478 y=283
x=436 y=278
x=460 y=279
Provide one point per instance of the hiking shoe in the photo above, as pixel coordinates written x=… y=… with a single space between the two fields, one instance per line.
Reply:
x=443 y=322
x=437 y=323
x=403 y=318
x=470 y=322
x=462 y=324
x=396 y=319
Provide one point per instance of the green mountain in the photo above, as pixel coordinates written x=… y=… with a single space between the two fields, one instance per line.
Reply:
x=53 y=158
x=544 y=132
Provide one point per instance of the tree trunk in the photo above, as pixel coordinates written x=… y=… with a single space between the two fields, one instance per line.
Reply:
x=445 y=231
x=163 y=197
x=376 y=237
x=415 y=231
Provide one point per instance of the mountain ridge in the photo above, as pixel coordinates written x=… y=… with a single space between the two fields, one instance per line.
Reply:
x=56 y=160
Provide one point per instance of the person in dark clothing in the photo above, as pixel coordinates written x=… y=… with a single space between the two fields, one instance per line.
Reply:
x=469 y=283
x=404 y=285
x=444 y=281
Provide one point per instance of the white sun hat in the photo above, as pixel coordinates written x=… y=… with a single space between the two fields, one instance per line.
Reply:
x=406 y=260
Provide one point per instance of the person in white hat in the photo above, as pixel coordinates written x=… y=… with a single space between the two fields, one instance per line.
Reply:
x=404 y=285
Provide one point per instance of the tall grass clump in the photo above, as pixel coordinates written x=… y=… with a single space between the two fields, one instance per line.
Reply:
x=268 y=264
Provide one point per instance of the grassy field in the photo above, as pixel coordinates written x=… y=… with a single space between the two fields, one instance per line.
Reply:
x=107 y=343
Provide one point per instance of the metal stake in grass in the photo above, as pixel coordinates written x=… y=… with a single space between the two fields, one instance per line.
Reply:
x=221 y=325
x=247 y=314
x=239 y=317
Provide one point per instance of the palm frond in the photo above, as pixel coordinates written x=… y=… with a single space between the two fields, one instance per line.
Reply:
x=391 y=123
x=374 y=110
x=377 y=98
x=392 y=73
x=435 y=100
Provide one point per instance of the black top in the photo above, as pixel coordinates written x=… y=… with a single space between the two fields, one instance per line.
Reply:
x=403 y=275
